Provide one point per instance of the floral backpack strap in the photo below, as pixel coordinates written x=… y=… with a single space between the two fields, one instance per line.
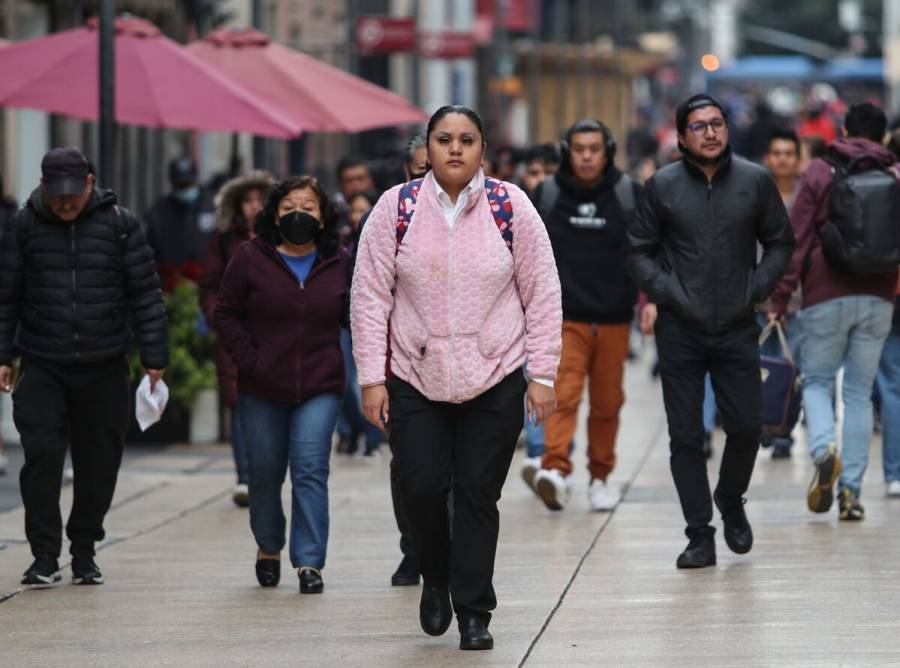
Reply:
x=406 y=207
x=501 y=209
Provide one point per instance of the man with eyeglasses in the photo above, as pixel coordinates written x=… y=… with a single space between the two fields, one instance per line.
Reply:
x=693 y=251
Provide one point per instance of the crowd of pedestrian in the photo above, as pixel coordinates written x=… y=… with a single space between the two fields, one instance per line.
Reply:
x=445 y=316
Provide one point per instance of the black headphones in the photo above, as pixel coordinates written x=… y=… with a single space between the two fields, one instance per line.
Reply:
x=588 y=125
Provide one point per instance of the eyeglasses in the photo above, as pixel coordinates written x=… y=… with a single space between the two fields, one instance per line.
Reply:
x=699 y=128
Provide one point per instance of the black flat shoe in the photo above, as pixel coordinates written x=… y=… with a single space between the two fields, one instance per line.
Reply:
x=435 y=611
x=700 y=553
x=310 y=580
x=738 y=534
x=407 y=573
x=473 y=634
x=268 y=572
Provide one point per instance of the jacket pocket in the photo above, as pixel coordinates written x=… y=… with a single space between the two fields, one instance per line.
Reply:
x=499 y=334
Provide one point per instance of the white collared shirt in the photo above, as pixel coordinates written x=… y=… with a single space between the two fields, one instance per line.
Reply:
x=451 y=210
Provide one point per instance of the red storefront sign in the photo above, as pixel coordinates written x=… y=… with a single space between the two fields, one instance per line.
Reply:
x=519 y=15
x=447 y=44
x=385 y=34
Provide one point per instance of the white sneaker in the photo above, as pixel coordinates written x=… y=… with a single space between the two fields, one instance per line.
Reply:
x=603 y=497
x=530 y=467
x=552 y=487
x=893 y=488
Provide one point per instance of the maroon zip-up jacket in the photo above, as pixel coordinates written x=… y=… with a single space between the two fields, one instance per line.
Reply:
x=283 y=335
x=810 y=211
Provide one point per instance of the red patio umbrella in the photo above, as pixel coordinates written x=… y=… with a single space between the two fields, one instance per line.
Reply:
x=321 y=97
x=158 y=83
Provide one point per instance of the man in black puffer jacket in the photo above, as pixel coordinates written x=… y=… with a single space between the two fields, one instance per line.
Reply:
x=693 y=250
x=74 y=271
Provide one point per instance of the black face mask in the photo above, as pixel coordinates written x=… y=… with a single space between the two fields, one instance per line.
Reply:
x=298 y=227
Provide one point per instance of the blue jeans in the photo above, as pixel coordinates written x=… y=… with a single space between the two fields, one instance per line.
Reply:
x=277 y=435
x=709 y=406
x=772 y=348
x=846 y=332
x=889 y=388
x=534 y=438
x=351 y=422
x=238 y=449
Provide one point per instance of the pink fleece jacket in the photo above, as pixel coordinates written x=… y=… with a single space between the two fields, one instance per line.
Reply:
x=464 y=312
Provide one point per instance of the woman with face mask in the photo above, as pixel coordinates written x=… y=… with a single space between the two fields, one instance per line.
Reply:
x=279 y=312
x=458 y=273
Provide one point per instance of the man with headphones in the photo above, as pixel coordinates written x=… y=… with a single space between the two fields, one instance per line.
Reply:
x=586 y=207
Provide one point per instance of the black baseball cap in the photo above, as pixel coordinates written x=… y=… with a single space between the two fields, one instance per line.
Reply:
x=65 y=171
x=692 y=104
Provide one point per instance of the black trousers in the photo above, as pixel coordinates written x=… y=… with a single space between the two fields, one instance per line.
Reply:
x=406 y=546
x=55 y=406
x=469 y=446
x=731 y=358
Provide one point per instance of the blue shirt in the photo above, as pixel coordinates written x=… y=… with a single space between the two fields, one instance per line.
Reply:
x=299 y=265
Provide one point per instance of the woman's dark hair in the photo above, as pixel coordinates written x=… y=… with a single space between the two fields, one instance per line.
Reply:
x=455 y=109
x=370 y=195
x=327 y=241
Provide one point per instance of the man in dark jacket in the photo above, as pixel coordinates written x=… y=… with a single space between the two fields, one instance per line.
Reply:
x=72 y=275
x=844 y=317
x=693 y=250
x=179 y=225
x=586 y=207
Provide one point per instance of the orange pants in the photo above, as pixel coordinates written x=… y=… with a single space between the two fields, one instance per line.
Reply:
x=597 y=352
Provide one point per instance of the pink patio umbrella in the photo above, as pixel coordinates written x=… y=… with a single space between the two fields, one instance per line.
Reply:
x=320 y=97
x=158 y=83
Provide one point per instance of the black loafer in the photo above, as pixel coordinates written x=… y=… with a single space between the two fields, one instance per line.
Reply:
x=407 y=573
x=738 y=534
x=435 y=611
x=700 y=553
x=311 y=581
x=473 y=634
x=268 y=572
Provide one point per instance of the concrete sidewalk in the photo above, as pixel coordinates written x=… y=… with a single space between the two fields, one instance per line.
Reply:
x=574 y=588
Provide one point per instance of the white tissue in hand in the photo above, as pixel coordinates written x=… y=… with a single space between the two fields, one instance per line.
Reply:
x=149 y=407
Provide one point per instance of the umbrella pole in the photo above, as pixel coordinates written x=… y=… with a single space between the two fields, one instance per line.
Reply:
x=107 y=91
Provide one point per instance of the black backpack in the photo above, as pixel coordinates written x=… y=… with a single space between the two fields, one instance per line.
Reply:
x=862 y=233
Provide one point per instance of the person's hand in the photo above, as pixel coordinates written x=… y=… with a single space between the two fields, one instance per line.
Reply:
x=375 y=404
x=5 y=378
x=648 y=319
x=772 y=316
x=541 y=402
x=155 y=375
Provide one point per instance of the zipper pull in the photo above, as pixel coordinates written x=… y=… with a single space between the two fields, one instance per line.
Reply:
x=301 y=285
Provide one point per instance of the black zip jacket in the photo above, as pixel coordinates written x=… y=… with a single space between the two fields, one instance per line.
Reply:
x=587 y=229
x=70 y=289
x=693 y=241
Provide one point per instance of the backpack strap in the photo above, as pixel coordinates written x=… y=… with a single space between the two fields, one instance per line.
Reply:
x=549 y=195
x=406 y=207
x=498 y=200
x=625 y=194
x=501 y=209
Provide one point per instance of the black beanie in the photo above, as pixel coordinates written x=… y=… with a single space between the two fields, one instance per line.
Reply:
x=692 y=104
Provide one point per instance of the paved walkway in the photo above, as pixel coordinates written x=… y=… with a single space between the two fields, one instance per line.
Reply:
x=575 y=588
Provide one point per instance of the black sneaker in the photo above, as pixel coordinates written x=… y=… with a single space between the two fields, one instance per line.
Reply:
x=820 y=496
x=85 y=571
x=407 y=573
x=44 y=572
x=781 y=452
x=700 y=553
x=849 y=506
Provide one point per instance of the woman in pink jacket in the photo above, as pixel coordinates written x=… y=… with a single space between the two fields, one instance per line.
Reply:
x=447 y=304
